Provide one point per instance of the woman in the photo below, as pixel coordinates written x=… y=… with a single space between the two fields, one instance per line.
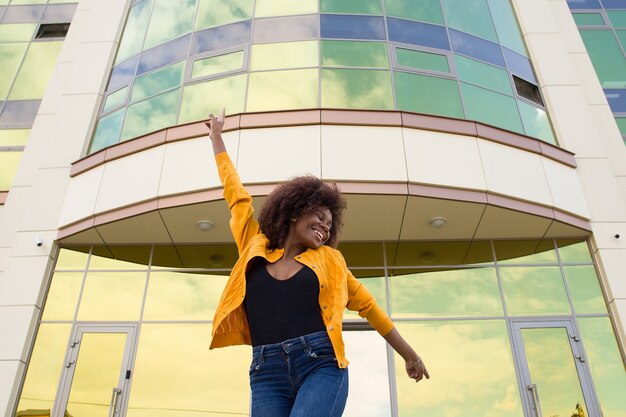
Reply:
x=287 y=292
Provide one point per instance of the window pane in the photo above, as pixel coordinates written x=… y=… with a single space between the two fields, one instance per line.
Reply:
x=14 y=137
x=583 y=4
x=115 y=100
x=17 y=32
x=431 y=95
x=476 y=48
x=198 y=383
x=217 y=64
x=11 y=57
x=438 y=253
x=134 y=31
x=588 y=19
x=621 y=124
x=585 y=289
x=506 y=25
x=150 y=115
x=9 y=161
x=607 y=57
x=478 y=348
x=284 y=55
x=618 y=18
x=122 y=74
x=73 y=258
x=354 y=54
x=375 y=285
x=415 y=33
x=461 y=292
x=63 y=296
x=169 y=20
x=616 y=99
x=470 y=16
x=44 y=368
x=211 y=96
x=23 y=14
x=352 y=6
x=352 y=27
x=525 y=252
x=285 y=29
x=220 y=38
x=59 y=13
x=182 y=296
x=267 y=8
x=356 y=89
x=574 y=251
x=519 y=65
x=534 y=291
x=280 y=90
x=484 y=75
x=35 y=72
x=20 y=113
x=158 y=81
x=423 y=10
x=108 y=131
x=112 y=296
x=422 y=60
x=605 y=362
x=119 y=257
x=216 y=12
x=164 y=54
x=536 y=123
x=14 y=2
x=492 y=108
x=614 y=4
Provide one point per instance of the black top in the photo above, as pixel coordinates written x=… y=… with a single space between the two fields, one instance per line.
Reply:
x=278 y=310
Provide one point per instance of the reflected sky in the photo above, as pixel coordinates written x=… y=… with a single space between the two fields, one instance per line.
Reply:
x=430 y=95
x=476 y=47
x=417 y=33
x=428 y=10
x=71 y=259
x=351 y=6
x=212 y=96
x=354 y=54
x=534 y=291
x=169 y=20
x=218 y=12
x=222 y=37
x=151 y=115
x=34 y=74
x=267 y=8
x=482 y=74
x=492 y=108
x=11 y=57
x=164 y=54
x=108 y=131
x=536 y=122
x=217 y=64
x=280 y=90
x=112 y=296
x=525 y=251
x=585 y=290
x=284 y=55
x=114 y=100
x=158 y=81
x=471 y=16
x=14 y=137
x=288 y=28
x=122 y=74
x=519 y=65
x=356 y=89
x=376 y=286
x=135 y=31
x=352 y=27
x=422 y=60
x=63 y=296
x=9 y=162
x=17 y=32
x=574 y=251
x=506 y=26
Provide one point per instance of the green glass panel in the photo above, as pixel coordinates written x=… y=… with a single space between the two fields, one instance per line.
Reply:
x=484 y=75
x=460 y=292
x=44 y=368
x=506 y=25
x=471 y=16
x=607 y=57
x=9 y=162
x=588 y=19
x=217 y=12
x=422 y=60
x=217 y=64
x=621 y=36
x=534 y=291
x=376 y=286
x=422 y=10
x=621 y=124
x=14 y=137
x=535 y=121
x=158 y=81
x=150 y=115
x=112 y=296
x=108 y=131
x=36 y=70
x=12 y=32
x=354 y=54
x=585 y=289
x=211 y=96
x=4 y=2
x=63 y=296
x=284 y=55
x=11 y=56
x=72 y=258
x=478 y=348
x=492 y=108
x=574 y=251
x=266 y=8
x=424 y=94
x=198 y=383
x=169 y=20
x=605 y=362
x=135 y=31
x=617 y=18
x=351 y=6
x=115 y=100
x=525 y=252
x=356 y=89
x=283 y=90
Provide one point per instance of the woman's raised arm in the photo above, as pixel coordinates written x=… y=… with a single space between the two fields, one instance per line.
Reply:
x=215 y=125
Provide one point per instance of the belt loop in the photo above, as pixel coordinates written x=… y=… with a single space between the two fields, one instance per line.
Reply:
x=306 y=347
x=261 y=359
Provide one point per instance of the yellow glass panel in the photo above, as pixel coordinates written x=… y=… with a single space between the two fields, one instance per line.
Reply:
x=11 y=32
x=11 y=56
x=9 y=161
x=35 y=72
x=63 y=296
x=525 y=251
x=585 y=290
x=14 y=137
x=73 y=258
x=574 y=251
x=182 y=296
x=97 y=371
x=217 y=64
x=552 y=370
x=44 y=367
x=198 y=382
x=211 y=96
x=265 y=8
x=120 y=257
x=471 y=368
x=284 y=55
x=534 y=290
x=282 y=90
x=112 y=296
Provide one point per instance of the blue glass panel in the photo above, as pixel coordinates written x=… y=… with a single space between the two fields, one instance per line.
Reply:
x=417 y=33
x=286 y=29
x=614 y=4
x=57 y=13
x=519 y=65
x=122 y=74
x=164 y=54
x=352 y=27
x=19 y=113
x=23 y=14
x=475 y=47
x=583 y=4
x=221 y=37
x=616 y=99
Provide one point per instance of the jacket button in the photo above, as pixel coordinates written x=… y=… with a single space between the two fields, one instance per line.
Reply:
x=331 y=328
x=322 y=286
x=298 y=257
x=325 y=307
x=341 y=364
x=313 y=267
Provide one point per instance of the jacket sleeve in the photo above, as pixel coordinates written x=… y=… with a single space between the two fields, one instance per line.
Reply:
x=242 y=223
x=361 y=300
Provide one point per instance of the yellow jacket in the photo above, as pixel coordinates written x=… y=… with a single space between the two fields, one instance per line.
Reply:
x=338 y=287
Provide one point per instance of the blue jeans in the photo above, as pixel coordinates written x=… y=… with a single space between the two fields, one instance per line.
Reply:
x=298 y=378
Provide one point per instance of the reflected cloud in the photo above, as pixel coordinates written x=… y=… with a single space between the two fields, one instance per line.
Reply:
x=112 y=296
x=534 y=290
x=169 y=20
x=11 y=57
x=150 y=115
x=356 y=89
x=35 y=71
x=212 y=96
x=135 y=31
x=217 y=12
x=281 y=90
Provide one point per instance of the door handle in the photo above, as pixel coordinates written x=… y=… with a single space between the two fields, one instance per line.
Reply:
x=114 y=400
x=535 y=394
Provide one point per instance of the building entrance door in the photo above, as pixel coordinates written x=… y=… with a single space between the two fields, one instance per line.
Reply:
x=555 y=376
x=96 y=377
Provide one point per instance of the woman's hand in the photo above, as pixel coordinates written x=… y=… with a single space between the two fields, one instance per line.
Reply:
x=416 y=369
x=412 y=362
x=215 y=125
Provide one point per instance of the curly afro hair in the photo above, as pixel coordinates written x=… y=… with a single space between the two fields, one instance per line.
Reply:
x=297 y=196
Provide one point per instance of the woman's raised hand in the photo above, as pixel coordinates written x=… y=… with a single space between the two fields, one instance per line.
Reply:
x=215 y=125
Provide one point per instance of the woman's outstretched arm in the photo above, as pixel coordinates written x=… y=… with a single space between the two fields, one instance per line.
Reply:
x=215 y=125
x=414 y=365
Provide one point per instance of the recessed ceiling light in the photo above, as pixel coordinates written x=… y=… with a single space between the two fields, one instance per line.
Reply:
x=204 y=225
x=438 y=222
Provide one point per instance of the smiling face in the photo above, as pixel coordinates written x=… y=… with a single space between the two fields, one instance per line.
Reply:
x=311 y=229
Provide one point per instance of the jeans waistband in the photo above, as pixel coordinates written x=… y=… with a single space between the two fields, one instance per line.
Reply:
x=289 y=345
